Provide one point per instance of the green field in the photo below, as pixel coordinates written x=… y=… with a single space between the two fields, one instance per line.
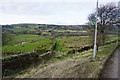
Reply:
x=112 y=38
x=24 y=38
x=65 y=44
x=19 y=29
x=62 y=30
x=33 y=42
x=29 y=25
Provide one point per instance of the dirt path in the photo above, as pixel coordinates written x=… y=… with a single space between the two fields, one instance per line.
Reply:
x=111 y=68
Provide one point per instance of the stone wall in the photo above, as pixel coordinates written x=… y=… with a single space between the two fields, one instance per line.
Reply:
x=26 y=59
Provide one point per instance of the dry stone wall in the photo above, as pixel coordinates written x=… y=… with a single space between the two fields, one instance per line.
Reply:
x=26 y=59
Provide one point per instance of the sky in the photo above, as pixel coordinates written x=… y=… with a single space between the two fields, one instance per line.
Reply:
x=61 y=12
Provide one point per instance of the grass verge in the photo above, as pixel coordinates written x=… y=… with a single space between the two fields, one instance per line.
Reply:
x=79 y=65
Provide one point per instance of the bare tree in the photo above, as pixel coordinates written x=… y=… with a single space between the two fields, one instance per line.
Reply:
x=108 y=16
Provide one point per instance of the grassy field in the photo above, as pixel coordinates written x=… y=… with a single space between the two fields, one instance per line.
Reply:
x=23 y=38
x=65 y=44
x=19 y=29
x=33 y=42
x=33 y=26
x=112 y=38
x=56 y=30
x=29 y=25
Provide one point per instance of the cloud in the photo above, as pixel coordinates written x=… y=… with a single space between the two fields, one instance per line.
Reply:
x=54 y=11
x=26 y=8
x=58 y=0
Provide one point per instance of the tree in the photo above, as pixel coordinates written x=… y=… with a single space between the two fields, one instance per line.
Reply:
x=107 y=17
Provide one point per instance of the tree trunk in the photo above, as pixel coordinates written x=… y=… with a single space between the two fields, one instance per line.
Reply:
x=103 y=38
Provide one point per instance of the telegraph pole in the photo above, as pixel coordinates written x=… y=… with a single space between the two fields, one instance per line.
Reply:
x=95 y=46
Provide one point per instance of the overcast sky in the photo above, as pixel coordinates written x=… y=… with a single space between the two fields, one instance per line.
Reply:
x=68 y=12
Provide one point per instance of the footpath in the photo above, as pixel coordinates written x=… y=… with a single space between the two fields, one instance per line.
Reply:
x=112 y=67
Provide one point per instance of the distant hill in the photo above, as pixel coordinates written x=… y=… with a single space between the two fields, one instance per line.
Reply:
x=27 y=25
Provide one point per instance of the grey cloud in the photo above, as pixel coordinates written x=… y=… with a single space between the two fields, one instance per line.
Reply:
x=40 y=8
x=26 y=8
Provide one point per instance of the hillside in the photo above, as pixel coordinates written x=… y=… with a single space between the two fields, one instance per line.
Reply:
x=35 y=46
x=78 y=65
